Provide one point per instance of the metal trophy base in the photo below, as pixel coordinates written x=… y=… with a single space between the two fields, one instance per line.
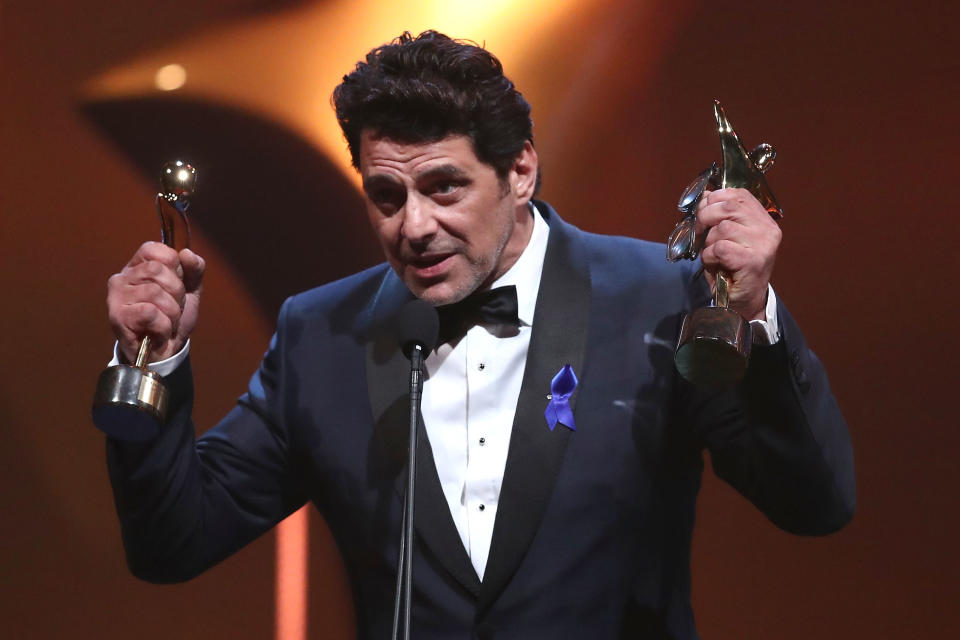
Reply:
x=714 y=347
x=130 y=403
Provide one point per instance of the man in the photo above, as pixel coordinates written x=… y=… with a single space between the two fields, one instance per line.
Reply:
x=526 y=527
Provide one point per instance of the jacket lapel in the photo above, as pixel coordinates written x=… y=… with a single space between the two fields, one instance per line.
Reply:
x=388 y=375
x=536 y=453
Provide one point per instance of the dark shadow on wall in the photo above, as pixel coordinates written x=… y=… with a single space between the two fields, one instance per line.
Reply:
x=282 y=215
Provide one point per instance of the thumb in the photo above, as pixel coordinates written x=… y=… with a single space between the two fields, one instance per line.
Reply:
x=193 y=268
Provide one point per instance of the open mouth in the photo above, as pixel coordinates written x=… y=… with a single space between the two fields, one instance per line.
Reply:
x=430 y=265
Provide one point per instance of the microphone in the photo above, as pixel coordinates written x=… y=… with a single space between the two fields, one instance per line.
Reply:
x=418 y=324
x=417 y=328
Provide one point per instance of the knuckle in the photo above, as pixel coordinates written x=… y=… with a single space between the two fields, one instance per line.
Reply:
x=153 y=268
x=148 y=251
x=144 y=312
x=116 y=317
x=163 y=326
x=723 y=250
x=159 y=252
x=115 y=283
x=707 y=216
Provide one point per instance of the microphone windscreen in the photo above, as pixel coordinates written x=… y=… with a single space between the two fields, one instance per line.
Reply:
x=418 y=323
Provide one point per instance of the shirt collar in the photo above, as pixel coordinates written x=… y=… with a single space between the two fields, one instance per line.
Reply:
x=525 y=272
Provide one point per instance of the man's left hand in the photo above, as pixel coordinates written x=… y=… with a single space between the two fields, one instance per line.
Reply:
x=742 y=243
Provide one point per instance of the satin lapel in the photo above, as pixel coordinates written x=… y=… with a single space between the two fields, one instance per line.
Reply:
x=536 y=453
x=388 y=376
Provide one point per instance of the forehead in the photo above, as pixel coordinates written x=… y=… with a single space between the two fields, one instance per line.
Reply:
x=383 y=155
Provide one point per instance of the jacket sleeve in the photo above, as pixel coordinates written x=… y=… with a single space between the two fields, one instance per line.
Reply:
x=184 y=504
x=779 y=438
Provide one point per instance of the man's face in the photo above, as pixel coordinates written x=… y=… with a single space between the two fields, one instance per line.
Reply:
x=447 y=223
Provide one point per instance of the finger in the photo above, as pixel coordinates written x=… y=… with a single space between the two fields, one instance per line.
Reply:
x=145 y=319
x=706 y=219
x=137 y=305
x=128 y=343
x=728 y=194
x=156 y=251
x=728 y=230
x=135 y=321
x=730 y=204
x=763 y=240
x=154 y=272
x=725 y=255
x=152 y=293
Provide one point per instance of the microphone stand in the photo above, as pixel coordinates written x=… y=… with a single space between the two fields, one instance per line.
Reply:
x=405 y=561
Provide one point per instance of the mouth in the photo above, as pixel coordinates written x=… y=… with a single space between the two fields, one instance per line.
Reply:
x=430 y=265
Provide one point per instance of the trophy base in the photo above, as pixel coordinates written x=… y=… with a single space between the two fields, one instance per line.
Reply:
x=714 y=347
x=130 y=403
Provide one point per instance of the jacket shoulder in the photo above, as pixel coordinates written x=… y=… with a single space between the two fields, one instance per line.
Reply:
x=354 y=292
x=621 y=265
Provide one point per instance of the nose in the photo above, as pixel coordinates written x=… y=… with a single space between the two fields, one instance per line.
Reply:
x=419 y=224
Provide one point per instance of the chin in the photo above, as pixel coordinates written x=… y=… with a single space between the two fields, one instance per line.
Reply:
x=443 y=293
x=438 y=298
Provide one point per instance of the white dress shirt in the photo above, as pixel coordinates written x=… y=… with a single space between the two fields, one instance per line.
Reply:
x=470 y=396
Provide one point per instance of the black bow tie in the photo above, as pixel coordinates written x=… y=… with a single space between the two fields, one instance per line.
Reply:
x=495 y=306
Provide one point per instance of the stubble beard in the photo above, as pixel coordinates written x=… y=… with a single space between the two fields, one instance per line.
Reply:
x=482 y=273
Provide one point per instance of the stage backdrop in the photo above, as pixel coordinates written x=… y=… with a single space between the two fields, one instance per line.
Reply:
x=860 y=99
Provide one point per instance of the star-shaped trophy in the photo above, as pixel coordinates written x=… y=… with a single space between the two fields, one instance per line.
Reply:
x=714 y=345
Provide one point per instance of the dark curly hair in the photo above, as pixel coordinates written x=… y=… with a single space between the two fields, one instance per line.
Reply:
x=425 y=88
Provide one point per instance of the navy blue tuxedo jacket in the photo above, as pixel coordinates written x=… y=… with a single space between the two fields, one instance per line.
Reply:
x=593 y=530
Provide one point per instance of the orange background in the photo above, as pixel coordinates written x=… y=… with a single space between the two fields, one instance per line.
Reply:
x=860 y=100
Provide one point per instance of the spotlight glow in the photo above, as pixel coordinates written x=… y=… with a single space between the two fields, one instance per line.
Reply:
x=170 y=77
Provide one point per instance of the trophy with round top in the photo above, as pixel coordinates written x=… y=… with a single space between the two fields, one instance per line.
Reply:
x=714 y=345
x=130 y=402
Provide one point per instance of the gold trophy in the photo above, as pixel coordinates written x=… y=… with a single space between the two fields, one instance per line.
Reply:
x=714 y=345
x=130 y=402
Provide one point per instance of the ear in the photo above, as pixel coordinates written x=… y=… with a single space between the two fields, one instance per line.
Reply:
x=523 y=174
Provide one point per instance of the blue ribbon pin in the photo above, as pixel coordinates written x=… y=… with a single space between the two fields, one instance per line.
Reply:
x=561 y=388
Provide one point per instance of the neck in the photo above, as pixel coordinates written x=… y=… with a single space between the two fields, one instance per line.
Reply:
x=518 y=241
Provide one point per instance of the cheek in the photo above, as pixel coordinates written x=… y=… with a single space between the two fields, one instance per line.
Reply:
x=386 y=231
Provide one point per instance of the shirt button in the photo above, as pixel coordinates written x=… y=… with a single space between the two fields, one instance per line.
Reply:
x=483 y=441
x=481 y=366
x=481 y=507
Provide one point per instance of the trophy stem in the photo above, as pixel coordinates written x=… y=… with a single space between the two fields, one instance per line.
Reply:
x=721 y=297
x=143 y=353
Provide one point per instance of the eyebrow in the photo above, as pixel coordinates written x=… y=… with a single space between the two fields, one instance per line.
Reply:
x=378 y=180
x=442 y=171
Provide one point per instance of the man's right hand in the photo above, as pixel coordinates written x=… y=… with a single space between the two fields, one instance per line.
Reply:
x=157 y=294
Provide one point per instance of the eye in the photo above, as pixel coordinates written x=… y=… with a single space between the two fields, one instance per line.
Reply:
x=445 y=190
x=387 y=200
